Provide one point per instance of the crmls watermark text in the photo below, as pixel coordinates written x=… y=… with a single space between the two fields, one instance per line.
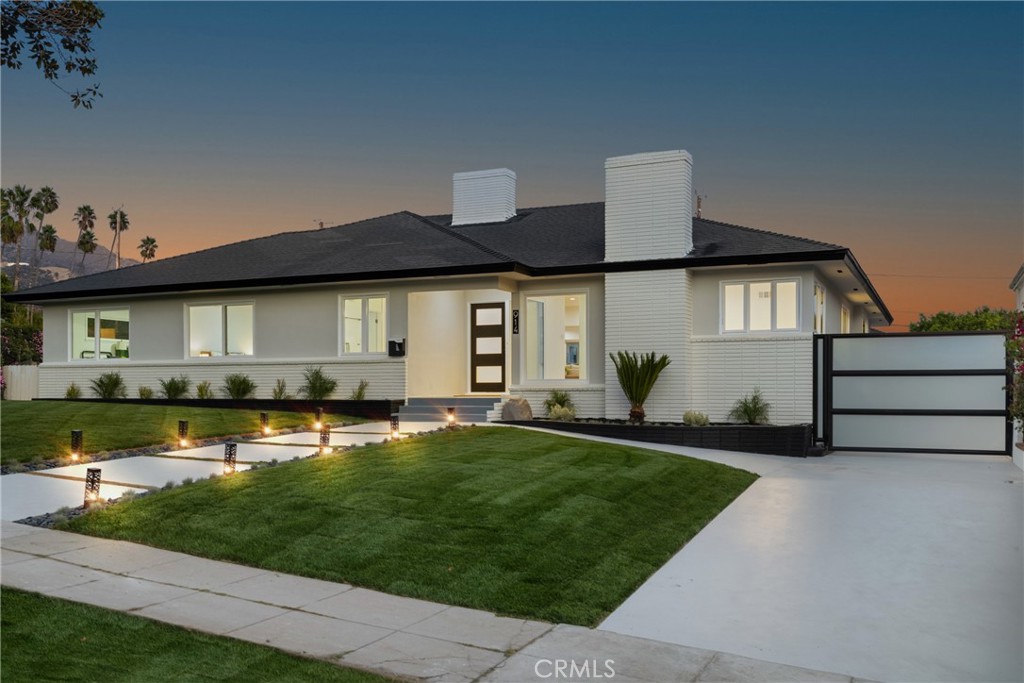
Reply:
x=570 y=668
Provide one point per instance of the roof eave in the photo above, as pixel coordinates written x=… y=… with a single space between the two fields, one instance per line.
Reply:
x=1018 y=279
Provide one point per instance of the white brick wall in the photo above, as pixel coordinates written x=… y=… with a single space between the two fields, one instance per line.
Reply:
x=648 y=206
x=483 y=196
x=588 y=400
x=727 y=368
x=650 y=311
x=386 y=376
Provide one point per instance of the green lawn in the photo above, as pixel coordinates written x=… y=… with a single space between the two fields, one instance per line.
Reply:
x=42 y=429
x=518 y=522
x=46 y=639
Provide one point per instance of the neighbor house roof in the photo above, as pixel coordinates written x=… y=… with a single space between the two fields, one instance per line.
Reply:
x=537 y=241
x=1018 y=279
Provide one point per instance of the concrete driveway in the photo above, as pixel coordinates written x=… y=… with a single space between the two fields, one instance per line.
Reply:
x=888 y=567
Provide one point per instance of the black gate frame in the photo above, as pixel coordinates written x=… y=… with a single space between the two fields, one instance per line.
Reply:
x=824 y=386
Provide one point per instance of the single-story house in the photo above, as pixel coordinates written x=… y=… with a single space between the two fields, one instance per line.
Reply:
x=492 y=300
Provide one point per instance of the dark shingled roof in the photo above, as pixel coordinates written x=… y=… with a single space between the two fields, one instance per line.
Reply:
x=541 y=240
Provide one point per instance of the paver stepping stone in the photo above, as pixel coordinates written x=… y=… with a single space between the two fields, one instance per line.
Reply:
x=44 y=575
x=26 y=495
x=313 y=438
x=196 y=572
x=247 y=452
x=119 y=556
x=144 y=470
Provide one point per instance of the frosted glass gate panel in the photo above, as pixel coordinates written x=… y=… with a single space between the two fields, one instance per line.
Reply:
x=912 y=392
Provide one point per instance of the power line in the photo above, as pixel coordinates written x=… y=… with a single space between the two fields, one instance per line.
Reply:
x=942 y=277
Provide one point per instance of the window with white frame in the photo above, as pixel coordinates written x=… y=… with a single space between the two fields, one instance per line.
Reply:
x=555 y=337
x=220 y=330
x=100 y=334
x=844 y=320
x=761 y=306
x=819 y=309
x=364 y=324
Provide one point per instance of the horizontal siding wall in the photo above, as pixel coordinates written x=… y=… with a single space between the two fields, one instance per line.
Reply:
x=386 y=376
x=589 y=401
x=650 y=311
x=725 y=369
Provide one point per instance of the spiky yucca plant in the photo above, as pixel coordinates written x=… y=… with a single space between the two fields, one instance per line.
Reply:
x=752 y=409
x=238 y=386
x=109 y=385
x=318 y=385
x=637 y=375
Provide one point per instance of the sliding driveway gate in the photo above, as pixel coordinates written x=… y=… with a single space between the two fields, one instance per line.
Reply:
x=931 y=393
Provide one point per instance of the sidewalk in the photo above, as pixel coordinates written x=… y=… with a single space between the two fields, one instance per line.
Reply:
x=351 y=626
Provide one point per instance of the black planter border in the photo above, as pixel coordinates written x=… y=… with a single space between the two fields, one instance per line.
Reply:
x=789 y=440
x=371 y=410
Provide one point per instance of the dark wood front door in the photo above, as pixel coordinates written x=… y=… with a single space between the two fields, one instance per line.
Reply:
x=487 y=347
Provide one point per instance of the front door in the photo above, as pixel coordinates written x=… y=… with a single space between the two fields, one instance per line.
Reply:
x=487 y=348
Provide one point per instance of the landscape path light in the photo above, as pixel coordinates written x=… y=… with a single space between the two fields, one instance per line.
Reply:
x=451 y=417
x=92 y=486
x=318 y=422
x=230 y=457
x=394 y=426
x=182 y=433
x=325 y=439
x=76 y=444
x=265 y=423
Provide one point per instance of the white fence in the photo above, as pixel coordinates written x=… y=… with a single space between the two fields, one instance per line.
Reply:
x=21 y=382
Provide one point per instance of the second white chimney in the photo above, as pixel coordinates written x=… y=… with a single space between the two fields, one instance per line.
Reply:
x=483 y=196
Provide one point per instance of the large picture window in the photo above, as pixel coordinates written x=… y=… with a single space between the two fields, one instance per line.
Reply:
x=556 y=337
x=220 y=330
x=364 y=324
x=761 y=306
x=100 y=335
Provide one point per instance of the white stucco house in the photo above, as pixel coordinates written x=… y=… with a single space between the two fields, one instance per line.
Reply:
x=492 y=300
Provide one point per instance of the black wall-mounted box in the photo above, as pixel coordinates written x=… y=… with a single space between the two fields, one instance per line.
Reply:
x=396 y=348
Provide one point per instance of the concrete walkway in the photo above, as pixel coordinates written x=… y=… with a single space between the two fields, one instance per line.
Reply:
x=37 y=493
x=897 y=567
x=351 y=626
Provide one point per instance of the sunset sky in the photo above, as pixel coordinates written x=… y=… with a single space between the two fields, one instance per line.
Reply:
x=894 y=129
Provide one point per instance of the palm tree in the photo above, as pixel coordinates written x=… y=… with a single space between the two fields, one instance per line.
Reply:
x=147 y=248
x=87 y=244
x=48 y=238
x=85 y=218
x=118 y=221
x=19 y=199
x=45 y=202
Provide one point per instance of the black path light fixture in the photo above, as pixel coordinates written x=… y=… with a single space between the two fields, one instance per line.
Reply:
x=92 y=486
x=230 y=457
x=318 y=422
x=265 y=423
x=325 y=439
x=182 y=433
x=395 y=431
x=76 y=444
x=451 y=416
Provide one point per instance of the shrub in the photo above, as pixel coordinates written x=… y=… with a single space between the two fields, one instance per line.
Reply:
x=238 y=386
x=693 y=418
x=359 y=393
x=560 y=399
x=175 y=387
x=318 y=386
x=637 y=375
x=73 y=391
x=204 y=390
x=145 y=393
x=281 y=391
x=751 y=410
x=562 y=413
x=109 y=385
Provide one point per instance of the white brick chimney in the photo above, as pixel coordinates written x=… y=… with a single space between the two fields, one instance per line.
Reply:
x=483 y=196
x=648 y=206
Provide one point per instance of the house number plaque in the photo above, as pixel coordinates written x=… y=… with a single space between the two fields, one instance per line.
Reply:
x=515 y=321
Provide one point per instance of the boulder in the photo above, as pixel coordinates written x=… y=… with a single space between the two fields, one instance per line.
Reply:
x=516 y=409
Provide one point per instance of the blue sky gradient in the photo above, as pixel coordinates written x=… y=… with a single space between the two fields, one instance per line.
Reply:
x=895 y=129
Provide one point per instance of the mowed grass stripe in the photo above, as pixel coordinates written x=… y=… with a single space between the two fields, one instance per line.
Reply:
x=517 y=522
x=46 y=639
